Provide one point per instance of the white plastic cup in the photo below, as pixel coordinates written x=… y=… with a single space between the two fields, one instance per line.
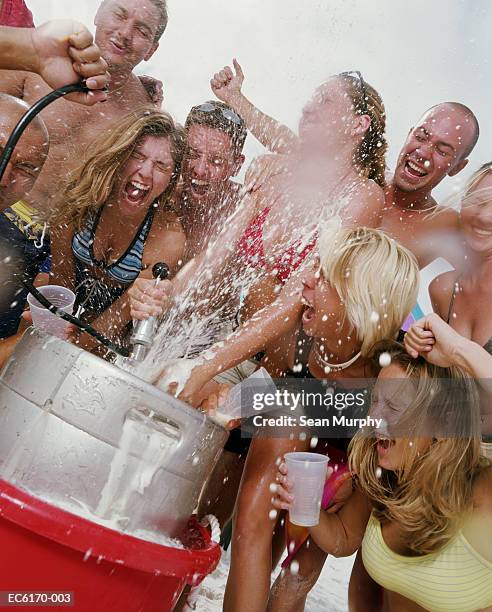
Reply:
x=45 y=320
x=307 y=473
x=486 y=448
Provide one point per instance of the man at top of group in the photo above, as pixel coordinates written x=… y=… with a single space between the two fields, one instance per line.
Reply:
x=127 y=33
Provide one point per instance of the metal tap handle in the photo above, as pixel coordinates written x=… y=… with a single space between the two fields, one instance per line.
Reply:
x=144 y=331
x=160 y=271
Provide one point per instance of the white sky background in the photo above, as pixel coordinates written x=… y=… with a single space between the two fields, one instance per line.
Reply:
x=415 y=53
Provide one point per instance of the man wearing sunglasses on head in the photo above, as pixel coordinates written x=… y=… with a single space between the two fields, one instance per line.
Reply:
x=213 y=156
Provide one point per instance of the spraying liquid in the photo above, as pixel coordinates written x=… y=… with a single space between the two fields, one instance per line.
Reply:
x=130 y=474
x=203 y=314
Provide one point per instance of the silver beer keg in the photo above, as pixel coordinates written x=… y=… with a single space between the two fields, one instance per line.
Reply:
x=77 y=429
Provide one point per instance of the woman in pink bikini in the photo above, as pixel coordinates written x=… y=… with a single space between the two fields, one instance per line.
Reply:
x=336 y=166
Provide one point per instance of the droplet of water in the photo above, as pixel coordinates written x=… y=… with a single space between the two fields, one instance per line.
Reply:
x=384 y=360
x=313 y=442
x=379 y=472
x=272 y=515
x=273 y=487
x=374 y=317
x=294 y=567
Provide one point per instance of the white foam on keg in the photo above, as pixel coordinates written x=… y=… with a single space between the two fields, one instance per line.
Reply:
x=129 y=474
x=178 y=372
x=77 y=507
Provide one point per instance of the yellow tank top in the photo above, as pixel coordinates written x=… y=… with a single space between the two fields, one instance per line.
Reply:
x=453 y=579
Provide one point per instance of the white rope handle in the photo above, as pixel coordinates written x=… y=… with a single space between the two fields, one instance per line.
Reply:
x=211 y=521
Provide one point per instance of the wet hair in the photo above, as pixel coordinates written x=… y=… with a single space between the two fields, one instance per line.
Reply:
x=370 y=155
x=163 y=18
x=218 y=120
x=91 y=183
x=476 y=177
x=432 y=490
x=373 y=275
x=469 y=116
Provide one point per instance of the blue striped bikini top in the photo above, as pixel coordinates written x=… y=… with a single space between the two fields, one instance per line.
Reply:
x=94 y=293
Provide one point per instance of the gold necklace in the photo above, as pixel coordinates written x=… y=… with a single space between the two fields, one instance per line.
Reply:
x=333 y=367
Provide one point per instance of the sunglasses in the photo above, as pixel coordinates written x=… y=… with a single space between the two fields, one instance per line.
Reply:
x=226 y=113
x=363 y=88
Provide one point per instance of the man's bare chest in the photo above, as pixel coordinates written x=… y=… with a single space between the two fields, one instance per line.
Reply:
x=71 y=124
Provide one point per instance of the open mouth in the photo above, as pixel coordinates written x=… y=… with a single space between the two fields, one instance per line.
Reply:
x=481 y=233
x=415 y=170
x=309 y=310
x=136 y=192
x=199 y=188
x=117 y=46
x=384 y=444
x=308 y=314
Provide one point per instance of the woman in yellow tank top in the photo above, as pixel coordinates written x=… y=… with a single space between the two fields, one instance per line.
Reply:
x=422 y=507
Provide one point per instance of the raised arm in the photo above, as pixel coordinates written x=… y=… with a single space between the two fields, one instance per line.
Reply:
x=439 y=343
x=60 y=52
x=276 y=137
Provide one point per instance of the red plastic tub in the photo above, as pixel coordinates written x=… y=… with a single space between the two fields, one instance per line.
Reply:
x=44 y=548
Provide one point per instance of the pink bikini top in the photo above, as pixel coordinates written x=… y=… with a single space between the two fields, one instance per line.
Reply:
x=253 y=254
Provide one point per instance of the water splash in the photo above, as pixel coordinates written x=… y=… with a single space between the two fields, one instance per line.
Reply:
x=207 y=311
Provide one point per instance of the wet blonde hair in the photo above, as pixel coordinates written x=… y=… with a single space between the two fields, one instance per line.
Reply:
x=431 y=492
x=370 y=155
x=473 y=181
x=93 y=181
x=376 y=278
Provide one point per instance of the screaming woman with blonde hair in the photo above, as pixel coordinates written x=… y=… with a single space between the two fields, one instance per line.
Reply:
x=421 y=510
x=115 y=221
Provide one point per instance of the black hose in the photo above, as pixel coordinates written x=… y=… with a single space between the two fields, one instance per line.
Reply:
x=120 y=350
x=26 y=119
x=17 y=132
